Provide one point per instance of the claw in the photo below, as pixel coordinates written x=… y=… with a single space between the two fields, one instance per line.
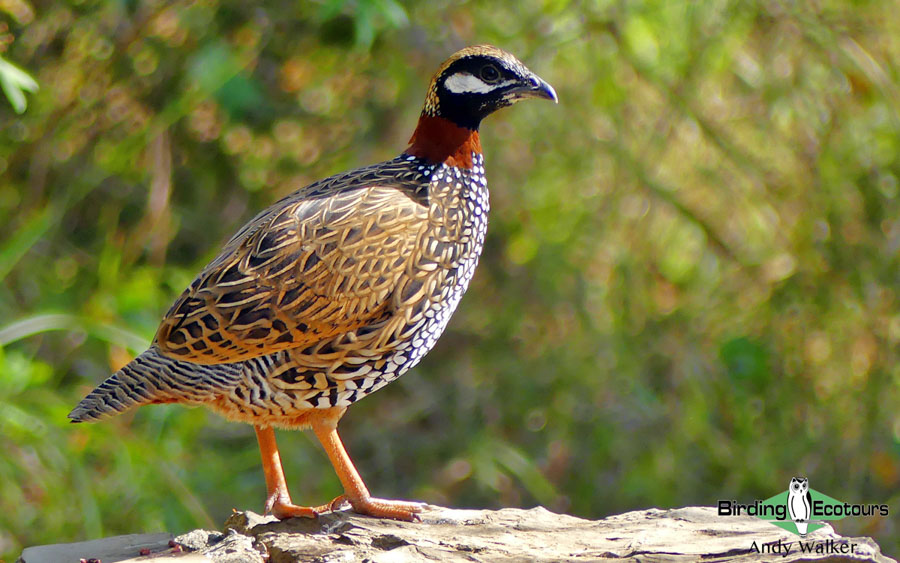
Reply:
x=338 y=502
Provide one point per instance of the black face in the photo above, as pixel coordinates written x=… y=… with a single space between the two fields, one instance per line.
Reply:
x=473 y=87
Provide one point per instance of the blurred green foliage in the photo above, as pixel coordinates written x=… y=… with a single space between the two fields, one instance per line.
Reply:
x=689 y=290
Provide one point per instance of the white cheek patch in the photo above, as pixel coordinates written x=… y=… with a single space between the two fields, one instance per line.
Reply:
x=465 y=83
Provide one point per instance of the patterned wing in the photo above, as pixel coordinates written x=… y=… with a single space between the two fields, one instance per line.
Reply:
x=302 y=271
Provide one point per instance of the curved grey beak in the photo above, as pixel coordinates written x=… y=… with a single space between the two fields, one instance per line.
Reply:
x=545 y=91
x=537 y=88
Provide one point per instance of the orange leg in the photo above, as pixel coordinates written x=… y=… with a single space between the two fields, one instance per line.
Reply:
x=278 y=500
x=355 y=491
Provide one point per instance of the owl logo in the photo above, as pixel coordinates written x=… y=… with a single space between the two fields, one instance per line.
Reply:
x=799 y=503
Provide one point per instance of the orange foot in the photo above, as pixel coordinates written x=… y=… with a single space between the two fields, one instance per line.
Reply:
x=281 y=508
x=380 y=508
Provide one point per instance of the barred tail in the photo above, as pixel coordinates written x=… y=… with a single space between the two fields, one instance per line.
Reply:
x=154 y=378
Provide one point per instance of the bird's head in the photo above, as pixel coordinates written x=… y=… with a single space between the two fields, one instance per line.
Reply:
x=469 y=86
x=476 y=81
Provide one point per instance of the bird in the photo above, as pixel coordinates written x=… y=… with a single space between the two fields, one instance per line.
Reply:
x=335 y=290
x=800 y=503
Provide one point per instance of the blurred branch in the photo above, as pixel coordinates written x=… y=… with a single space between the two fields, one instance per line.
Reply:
x=718 y=137
x=850 y=51
x=156 y=224
x=667 y=195
x=867 y=64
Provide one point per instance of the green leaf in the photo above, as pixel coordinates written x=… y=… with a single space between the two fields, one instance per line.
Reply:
x=15 y=82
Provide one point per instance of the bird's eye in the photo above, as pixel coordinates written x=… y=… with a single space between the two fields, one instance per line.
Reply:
x=490 y=74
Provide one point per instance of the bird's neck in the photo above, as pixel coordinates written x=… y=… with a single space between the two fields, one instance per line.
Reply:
x=439 y=140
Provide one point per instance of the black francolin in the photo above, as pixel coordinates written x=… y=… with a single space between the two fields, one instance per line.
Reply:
x=337 y=289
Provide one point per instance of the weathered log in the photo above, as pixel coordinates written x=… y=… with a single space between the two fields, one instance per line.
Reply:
x=683 y=534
